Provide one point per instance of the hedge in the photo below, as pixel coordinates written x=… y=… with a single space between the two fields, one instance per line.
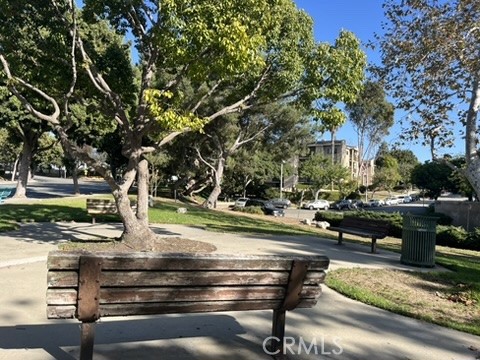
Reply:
x=447 y=235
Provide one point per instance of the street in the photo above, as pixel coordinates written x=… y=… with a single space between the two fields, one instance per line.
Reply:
x=50 y=187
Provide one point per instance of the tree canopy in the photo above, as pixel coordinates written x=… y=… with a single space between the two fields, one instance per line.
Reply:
x=430 y=64
x=77 y=68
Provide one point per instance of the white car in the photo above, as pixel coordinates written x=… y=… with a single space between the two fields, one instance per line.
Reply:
x=317 y=204
x=392 y=201
x=375 y=203
x=405 y=199
x=240 y=202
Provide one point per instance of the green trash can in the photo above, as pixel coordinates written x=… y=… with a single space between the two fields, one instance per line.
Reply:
x=418 y=240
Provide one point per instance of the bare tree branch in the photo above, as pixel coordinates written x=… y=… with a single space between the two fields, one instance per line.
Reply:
x=241 y=104
x=205 y=161
x=204 y=97
x=53 y=118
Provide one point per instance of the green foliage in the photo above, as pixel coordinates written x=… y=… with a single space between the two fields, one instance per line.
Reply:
x=473 y=239
x=249 y=209
x=433 y=177
x=171 y=119
x=451 y=236
x=50 y=152
x=371 y=116
x=333 y=218
x=320 y=172
x=387 y=174
x=436 y=84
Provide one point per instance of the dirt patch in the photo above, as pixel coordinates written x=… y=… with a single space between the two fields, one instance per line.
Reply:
x=164 y=245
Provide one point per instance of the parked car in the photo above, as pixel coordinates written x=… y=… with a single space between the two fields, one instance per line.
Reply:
x=343 y=205
x=374 y=203
x=270 y=209
x=405 y=199
x=267 y=207
x=240 y=202
x=317 y=204
x=392 y=201
x=281 y=203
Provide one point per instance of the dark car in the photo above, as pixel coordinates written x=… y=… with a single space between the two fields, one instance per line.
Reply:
x=270 y=209
x=344 y=205
x=267 y=207
x=281 y=203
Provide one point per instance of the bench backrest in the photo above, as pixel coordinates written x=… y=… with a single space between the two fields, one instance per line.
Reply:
x=368 y=225
x=90 y=285
x=101 y=206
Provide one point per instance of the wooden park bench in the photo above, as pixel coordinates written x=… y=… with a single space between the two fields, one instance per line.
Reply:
x=374 y=229
x=88 y=286
x=4 y=193
x=102 y=207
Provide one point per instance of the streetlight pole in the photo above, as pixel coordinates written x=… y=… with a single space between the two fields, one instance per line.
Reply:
x=281 y=179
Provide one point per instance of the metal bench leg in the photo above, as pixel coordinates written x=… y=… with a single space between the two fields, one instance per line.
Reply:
x=340 y=238
x=87 y=337
x=278 y=333
x=374 y=245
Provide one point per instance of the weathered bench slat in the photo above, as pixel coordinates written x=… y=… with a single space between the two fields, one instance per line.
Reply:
x=208 y=293
x=161 y=261
x=68 y=311
x=166 y=278
x=88 y=286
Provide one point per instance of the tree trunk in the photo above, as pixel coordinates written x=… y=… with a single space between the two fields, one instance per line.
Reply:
x=142 y=194
x=217 y=185
x=245 y=187
x=136 y=234
x=76 y=187
x=24 y=171
x=333 y=132
x=14 y=170
x=471 y=141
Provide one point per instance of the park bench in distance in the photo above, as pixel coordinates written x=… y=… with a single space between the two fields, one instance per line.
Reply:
x=88 y=286
x=374 y=229
x=102 y=207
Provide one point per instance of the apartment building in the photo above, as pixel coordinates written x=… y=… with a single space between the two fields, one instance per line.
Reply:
x=347 y=156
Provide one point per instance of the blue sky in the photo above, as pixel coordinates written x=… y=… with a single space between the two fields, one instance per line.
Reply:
x=362 y=17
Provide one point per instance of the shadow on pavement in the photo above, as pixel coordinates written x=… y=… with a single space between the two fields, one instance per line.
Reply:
x=61 y=340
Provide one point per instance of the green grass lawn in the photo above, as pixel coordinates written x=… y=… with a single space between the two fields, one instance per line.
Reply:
x=450 y=299
x=165 y=212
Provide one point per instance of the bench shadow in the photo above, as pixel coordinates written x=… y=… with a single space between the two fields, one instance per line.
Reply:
x=62 y=339
x=58 y=232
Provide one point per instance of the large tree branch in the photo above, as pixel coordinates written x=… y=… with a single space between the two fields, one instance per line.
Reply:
x=238 y=142
x=205 y=161
x=52 y=118
x=206 y=96
x=242 y=103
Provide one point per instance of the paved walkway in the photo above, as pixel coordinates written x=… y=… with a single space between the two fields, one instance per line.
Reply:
x=342 y=328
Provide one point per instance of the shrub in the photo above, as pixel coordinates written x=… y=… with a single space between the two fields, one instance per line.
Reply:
x=452 y=236
x=443 y=219
x=249 y=209
x=333 y=218
x=473 y=239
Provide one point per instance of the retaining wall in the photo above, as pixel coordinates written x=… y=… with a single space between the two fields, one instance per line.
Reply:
x=463 y=213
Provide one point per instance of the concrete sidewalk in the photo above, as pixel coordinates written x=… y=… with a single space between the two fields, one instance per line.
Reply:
x=342 y=328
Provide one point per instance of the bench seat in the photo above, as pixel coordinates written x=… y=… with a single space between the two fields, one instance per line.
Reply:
x=371 y=228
